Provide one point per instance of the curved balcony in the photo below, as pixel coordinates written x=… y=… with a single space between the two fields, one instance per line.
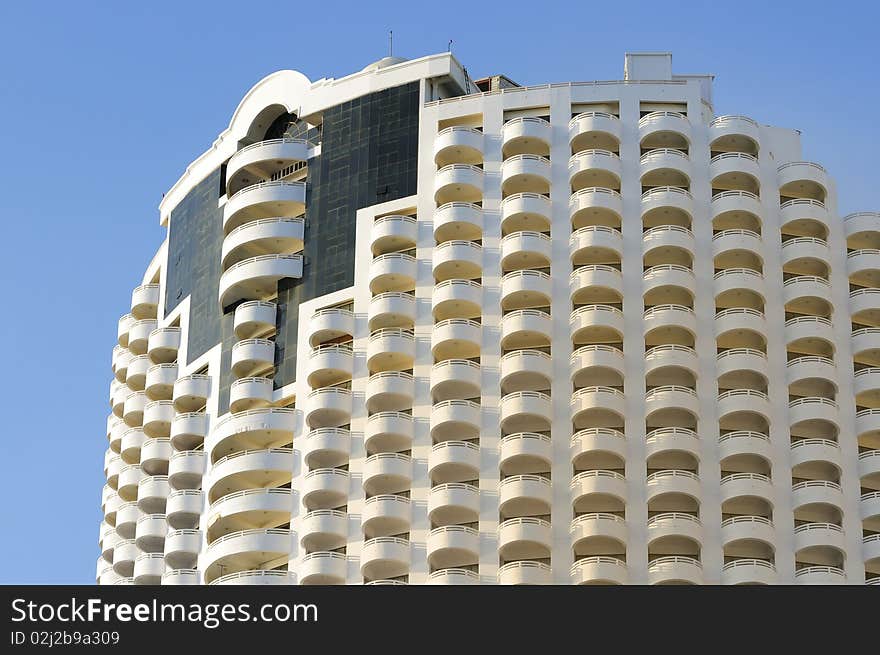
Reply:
x=868 y=426
x=150 y=533
x=123 y=327
x=136 y=372
x=597 y=448
x=669 y=324
x=252 y=357
x=737 y=249
x=257 y=277
x=525 y=289
x=133 y=408
x=747 y=529
x=392 y=310
x=183 y=508
x=393 y=234
x=734 y=134
x=457 y=299
x=458 y=183
x=599 y=570
x=457 y=260
x=744 y=445
x=669 y=283
x=524 y=573
x=864 y=305
x=323 y=529
x=667 y=205
x=595 y=284
x=159 y=381
x=264 y=200
x=385 y=557
x=130 y=443
x=387 y=473
x=668 y=244
x=245 y=550
x=598 y=532
x=388 y=432
x=453 y=503
x=385 y=515
x=139 y=335
x=813 y=492
x=266 y=236
x=595 y=244
x=739 y=287
x=456 y=339
x=252 y=429
x=249 y=469
x=748 y=572
x=455 y=419
x=803 y=373
x=675 y=569
x=594 y=168
x=740 y=327
x=121 y=360
x=326 y=448
x=110 y=507
x=664 y=446
x=323 y=568
x=180 y=577
x=824 y=575
x=524 y=538
x=596 y=324
x=866 y=346
x=528 y=212
x=804 y=217
x=325 y=489
x=665 y=167
x=812 y=410
x=674 y=531
x=524 y=370
x=157 y=418
x=148 y=569
x=191 y=392
x=735 y=171
x=594 y=129
x=810 y=536
x=806 y=256
x=525 y=250
x=525 y=174
x=390 y=349
x=595 y=206
x=250 y=393
x=738 y=401
x=821 y=456
x=861 y=229
x=454 y=461
x=392 y=272
x=453 y=577
x=526 y=134
x=871 y=554
x=262 y=161
x=153 y=494
x=811 y=335
x=454 y=379
x=598 y=364
x=801 y=179
x=593 y=490
x=453 y=546
x=458 y=220
x=597 y=407
x=327 y=364
x=862 y=267
x=182 y=548
x=329 y=325
x=731 y=210
x=525 y=411
x=664 y=129
x=249 y=508
x=253 y=319
x=163 y=344
x=869 y=466
x=458 y=145
x=663 y=359
x=524 y=452
x=807 y=294
x=741 y=367
x=185 y=469
x=673 y=481
x=127 y=483
x=154 y=456
x=668 y=401
x=869 y=504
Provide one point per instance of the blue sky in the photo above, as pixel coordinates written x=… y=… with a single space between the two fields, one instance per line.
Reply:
x=102 y=107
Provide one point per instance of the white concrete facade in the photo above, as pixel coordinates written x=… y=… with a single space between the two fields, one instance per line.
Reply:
x=528 y=382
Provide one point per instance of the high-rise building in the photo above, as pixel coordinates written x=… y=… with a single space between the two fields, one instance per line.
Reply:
x=407 y=327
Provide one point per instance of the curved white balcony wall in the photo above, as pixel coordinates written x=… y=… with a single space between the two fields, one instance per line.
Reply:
x=248 y=469
x=594 y=168
x=327 y=364
x=454 y=461
x=185 y=469
x=453 y=503
x=458 y=183
x=243 y=550
x=388 y=432
x=594 y=130
x=458 y=145
x=595 y=206
x=599 y=570
x=264 y=200
x=325 y=488
x=392 y=272
x=453 y=546
x=139 y=335
x=526 y=211
x=191 y=392
x=392 y=234
x=525 y=174
x=265 y=236
x=385 y=515
x=155 y=454
x=734 y=134
x=257 y=277
x=162 y=344
x=330 y=325
x=323 y=529
x=524 y=573
x=252 y=429
x=525 y=328
x=735 y=171
x=457 y=260
x=667 y=205
x=665 y=167
x=385 y=557
x=188 y=430
x=326 y=447
x=525 y=135
x=254 y=318
x=520 y=250
x=322 y=568
x=661 y=129
x=260 y=161
x=455 y=379
x=675 y=570
x=250 y=393
x=159 y=381
x=157 y=418
x=801 y=179
x=525 y=289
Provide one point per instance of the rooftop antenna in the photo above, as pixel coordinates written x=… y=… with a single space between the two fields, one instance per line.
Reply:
x=390 y=43
x=449 y=47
